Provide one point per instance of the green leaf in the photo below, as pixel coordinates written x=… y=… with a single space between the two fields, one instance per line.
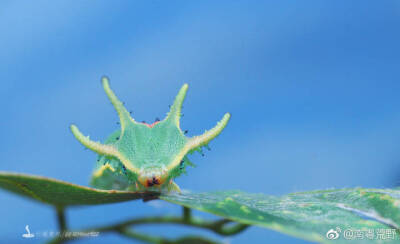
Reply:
x=307 y=215
x=60 y=193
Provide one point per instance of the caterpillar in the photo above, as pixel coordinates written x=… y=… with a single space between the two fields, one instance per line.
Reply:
x=141 y=156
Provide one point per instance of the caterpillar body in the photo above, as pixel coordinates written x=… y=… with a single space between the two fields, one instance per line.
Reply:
x=145 y=157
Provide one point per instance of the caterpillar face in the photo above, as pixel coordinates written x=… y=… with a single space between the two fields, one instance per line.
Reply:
x=143 y=156
x=153 y=176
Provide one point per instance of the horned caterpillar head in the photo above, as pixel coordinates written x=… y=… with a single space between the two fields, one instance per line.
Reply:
x=148 y=155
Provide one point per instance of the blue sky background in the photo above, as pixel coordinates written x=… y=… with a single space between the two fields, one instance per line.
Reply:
x=313 y=88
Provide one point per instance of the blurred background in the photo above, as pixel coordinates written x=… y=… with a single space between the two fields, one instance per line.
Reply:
x=313 y=88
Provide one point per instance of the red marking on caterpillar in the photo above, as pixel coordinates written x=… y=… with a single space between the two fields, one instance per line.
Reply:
x=151 y=125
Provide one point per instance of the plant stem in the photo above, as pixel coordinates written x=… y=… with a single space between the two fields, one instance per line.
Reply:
x=159 y=240
x=215 y=226
x=140 y=236
x=187 y=214
x=62 y=225
x=220 y=227
x=232 y=230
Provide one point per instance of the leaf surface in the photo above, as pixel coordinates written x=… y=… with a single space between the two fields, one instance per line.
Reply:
x=359 y=215
x=363 y=215
x=60 y=193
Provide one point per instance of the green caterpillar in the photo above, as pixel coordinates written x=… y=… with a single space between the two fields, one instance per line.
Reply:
x=140 y=156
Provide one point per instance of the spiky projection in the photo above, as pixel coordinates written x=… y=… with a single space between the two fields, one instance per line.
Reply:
x=143 y=156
